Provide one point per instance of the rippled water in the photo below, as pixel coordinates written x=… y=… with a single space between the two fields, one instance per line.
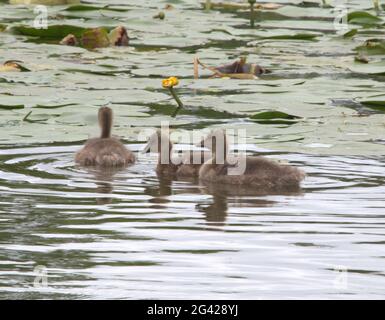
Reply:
x=127 y=234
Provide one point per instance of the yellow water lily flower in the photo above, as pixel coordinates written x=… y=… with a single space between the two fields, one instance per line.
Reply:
x=170 y=82
x=174 y=81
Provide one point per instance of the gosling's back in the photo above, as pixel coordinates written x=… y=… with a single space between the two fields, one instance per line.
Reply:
x=259 y=172
x=105 y=151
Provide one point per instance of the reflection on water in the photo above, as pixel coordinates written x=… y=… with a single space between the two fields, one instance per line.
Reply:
x=160 y=191
x=215 y=211
x=104 y=178
x=130 y=234
x=222 y=195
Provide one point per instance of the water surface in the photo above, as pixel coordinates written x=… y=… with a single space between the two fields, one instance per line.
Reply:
x=130 y=235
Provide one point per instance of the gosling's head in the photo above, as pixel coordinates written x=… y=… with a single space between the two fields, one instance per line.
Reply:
x=157 y=142
x=216 y=141
x=216 y=138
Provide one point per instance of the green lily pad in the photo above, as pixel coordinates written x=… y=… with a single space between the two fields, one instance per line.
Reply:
x=56 y=32
x=350 y=33
x=274 y=117
x=89 y=38
x=373 y=68
x=169 y=110
x=44 y=2
x=84 y=7
x=374 y=103
x=299 y=36
x=363 y=18
x=11 y=107
x=39 y=106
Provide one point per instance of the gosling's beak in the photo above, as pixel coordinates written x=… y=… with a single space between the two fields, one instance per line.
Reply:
x=147 y=148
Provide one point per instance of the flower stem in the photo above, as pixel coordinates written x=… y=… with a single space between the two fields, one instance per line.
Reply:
x=178 y=101
x=176 y=98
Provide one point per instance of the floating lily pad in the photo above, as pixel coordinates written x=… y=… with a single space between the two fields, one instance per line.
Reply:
x=374 y=103
x=373 y=68
x=84 y=7
x=55 y=32
x=207 y=113
x=363 y=18
x=298 y=36
x=350 y=33
x=53 y=106
x=44 y=2
x=274 y=117
x=11 y=107
x=88 y=38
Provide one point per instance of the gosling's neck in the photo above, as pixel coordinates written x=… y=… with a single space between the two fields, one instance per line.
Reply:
x=165 y=152
x=105 y=122
x=219 y=152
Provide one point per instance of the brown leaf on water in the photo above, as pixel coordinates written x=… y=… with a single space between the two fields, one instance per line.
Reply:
x=240 y=66
x=196 y=68
x=239 y=69
x=69 y=40
x=118 y=37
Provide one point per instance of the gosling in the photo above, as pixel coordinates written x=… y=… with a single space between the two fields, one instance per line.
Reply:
x=254 y=171
x=185 y=166
x=105 y=151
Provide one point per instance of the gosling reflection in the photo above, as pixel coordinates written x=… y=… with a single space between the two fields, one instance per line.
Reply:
x=167 y=186
x=225 y=196
x=160 y=191
x=215 y=212
x=104 y=178
x=244 y=191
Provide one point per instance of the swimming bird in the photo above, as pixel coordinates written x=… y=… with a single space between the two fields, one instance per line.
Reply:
x=186 y=165
x=254 y=171
x=105 y=151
